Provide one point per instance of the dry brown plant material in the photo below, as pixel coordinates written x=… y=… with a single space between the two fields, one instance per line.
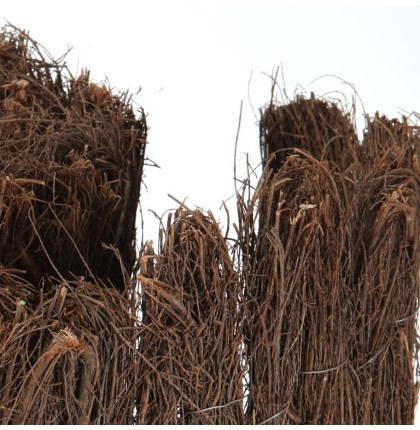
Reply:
x=191 y=342
x=71 y=163
x=294 y=240
x=386 y=235
x=313 y=125
x=67 y=354
x=330 y=269
x=310 y=318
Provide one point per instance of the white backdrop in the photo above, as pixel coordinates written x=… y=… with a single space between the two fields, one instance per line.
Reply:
x=196 y=61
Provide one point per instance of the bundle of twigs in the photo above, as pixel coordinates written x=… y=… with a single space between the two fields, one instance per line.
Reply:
x=389 y=144
x=67 y=353
x=387 y=258
x=294 y=237
x=313 y=125
x=71 y=162
x=191 y=368
x=317 y=326
x=330 y=269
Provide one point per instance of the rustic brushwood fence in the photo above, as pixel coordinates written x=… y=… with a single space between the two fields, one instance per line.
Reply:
x=307 y=316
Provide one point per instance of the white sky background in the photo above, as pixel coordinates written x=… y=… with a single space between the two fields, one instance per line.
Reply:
x=194 y=63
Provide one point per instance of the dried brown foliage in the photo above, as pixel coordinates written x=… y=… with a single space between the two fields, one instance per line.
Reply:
x=67 y=353
x=328 y=243
x=191 y=343
x=309 y=318
x=296 y=268
x=387 y=257
x=71 y=162
x=313 y=125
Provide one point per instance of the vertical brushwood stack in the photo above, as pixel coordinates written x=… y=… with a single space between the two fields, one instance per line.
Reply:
x=307 y=316
x=331 y=269
x=387 y=257
x=191 y=342
x=71 y=162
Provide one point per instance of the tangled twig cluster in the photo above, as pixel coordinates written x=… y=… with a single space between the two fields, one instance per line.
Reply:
x=309 y=317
